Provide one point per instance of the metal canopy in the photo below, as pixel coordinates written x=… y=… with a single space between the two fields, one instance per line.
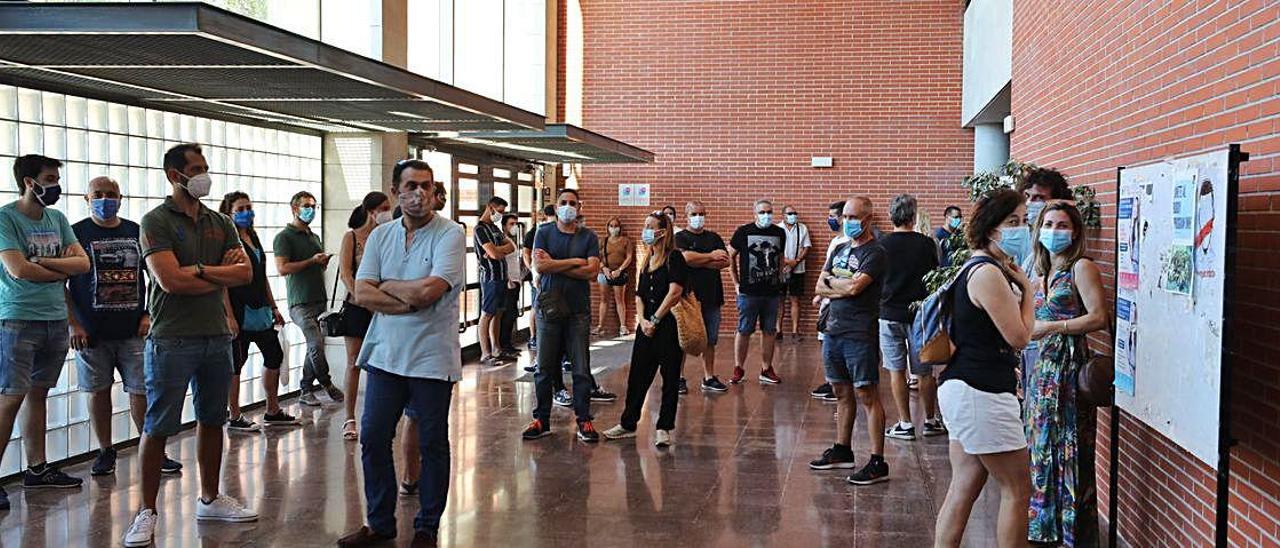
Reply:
x=558 y=143
x=200 y=59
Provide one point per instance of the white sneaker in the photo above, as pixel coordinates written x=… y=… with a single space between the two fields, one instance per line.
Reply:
x=618 y=432
x=143 y=529
x=662 y=438
x=224 y=508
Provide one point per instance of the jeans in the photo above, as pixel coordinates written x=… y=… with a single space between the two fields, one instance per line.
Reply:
x=649 y=356
x=753 y=309
x=315 y=368
x=98 y=363
x=386 y=397
x=851 y=361
x=555 y=340
x=172 y=363
x=31 y=354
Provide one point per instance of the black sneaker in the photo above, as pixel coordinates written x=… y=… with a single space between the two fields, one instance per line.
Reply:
x=408 y=489
x=533 y=344
x=170 y=466
x=105 y=463
x=683 y=387
x=873 y=472
x=829 y=398
x=603 y=396
x=531 y=368
x=838 y=456
x=934 y=427
x=242 y=424
x=823 y=390
x=535 y=430
x=713 y=385
x=49 y=478
x=898 y=431
x=587 y=432
x=566 y=365
x=280 y=418
x=4 y=499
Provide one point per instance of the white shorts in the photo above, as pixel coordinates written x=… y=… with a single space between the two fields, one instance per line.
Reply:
x=983 y=422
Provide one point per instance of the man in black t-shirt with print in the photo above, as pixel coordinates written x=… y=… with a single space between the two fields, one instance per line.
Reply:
x=755 y=254
x=705 y=254
x=852 y=280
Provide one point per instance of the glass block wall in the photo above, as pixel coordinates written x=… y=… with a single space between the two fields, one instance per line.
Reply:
x=127 y=143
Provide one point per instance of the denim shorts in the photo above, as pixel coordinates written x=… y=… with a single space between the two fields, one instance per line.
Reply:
x=895 y=342
x=173 y=363
x=492 y=296
x=752 y=309
x=711 y=320
x=31 y=354
x=97 y=365
x=851 y=361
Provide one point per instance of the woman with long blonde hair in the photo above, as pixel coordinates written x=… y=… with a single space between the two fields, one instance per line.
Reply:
x=663 y=275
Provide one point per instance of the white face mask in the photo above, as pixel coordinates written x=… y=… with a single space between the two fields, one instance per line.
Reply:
x=198 y=186
x=382 y=217
x=614 y=231
x=696 y=222
x=496 y=217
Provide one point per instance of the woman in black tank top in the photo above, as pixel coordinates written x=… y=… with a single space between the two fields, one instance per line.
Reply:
x=992 y=318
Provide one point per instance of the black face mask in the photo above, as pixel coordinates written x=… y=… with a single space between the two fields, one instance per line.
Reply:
x=47 y=195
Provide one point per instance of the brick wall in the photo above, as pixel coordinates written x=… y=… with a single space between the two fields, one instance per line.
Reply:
x=1106 y=83
x=735 y=97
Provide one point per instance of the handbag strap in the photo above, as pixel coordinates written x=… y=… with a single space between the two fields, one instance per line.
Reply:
x=333 y=295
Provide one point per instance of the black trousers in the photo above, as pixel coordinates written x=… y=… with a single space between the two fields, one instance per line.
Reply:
x=507 y=328
x=649 y=356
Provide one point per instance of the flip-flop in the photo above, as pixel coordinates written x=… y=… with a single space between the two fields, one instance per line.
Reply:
x=350 y=434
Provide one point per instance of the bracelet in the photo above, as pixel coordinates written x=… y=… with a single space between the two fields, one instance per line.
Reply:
x=1066 y=326
x=654 y=319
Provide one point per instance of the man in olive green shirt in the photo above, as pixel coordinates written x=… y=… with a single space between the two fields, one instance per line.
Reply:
x=301 y=259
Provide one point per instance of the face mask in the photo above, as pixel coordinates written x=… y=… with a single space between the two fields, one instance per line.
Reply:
x=514 y=230
x=853 y=228
x=1015 y=241
x=1033 y=211
x=105 y=208
x=495 y=217
x=566 y=213
x=696 y=222
x=954 y=222
x=411 y=204
x=648 y=236
x=47 y=195
x=198 y=186
x=243 y=219
x=307 y=214
x=1055 y=240
x=382 y=217
x=763 y=220
x=614 y=231
x=834 y=224
x=792 y=218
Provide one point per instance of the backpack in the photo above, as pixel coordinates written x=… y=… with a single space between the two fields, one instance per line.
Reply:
x=930 y=331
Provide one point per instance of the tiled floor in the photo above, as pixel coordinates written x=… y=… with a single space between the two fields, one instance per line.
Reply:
x=737 y=476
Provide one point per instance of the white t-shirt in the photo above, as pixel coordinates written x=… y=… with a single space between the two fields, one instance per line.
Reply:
x=797 y=239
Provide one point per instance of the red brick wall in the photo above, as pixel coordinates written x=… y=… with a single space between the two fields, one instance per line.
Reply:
x=735 y=97
x=1106 y=83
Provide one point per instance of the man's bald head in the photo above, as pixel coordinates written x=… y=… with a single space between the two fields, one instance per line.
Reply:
x=102 y=187
x=858 y=207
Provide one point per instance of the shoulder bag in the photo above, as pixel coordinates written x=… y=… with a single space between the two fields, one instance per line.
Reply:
x=1095 y=380
x=690 y=329
x=333 y=322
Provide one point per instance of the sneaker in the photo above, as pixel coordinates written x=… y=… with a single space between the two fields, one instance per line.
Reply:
x=170 y=466
x=242 y=424
x=423 y=539
x=364 y=536
x=224 y=508
x=738 y=374
x=536 y=430
x=4 y=499
x=662 y=438
x=913 y=383
x=682 y=387
x=769 y=376
x=334 y=393
x=873 y=472
x=587 y=432
x=562 y=398
x=533 y=344
x=603 y=396
x=408 y=489
x=49 y=478
x=509 y=355
x=490 y=361
x=901 y=432
x=822 y=390
x=934 y=427
x=105 y=463
x=829 y=398
x=309 y=398
x=143 y=529
x=713 y=385
x=618 y=433
x=280 y=418
x=838 y=456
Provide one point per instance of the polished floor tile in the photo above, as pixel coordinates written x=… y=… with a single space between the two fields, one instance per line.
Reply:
x=737 y=476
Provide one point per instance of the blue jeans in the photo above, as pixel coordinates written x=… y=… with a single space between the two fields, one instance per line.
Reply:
x=895 y=345
x=556 y=340
x=98 y=363
x=762 y=309
x=386 y=397
x=172 y=363
x=315 y=368
x=31 y=354
x=851 y=361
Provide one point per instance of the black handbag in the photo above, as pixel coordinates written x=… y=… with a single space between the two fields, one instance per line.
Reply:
x=334 y=322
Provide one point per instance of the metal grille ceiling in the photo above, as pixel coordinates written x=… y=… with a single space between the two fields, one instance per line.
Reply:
x=196 y=58
x=557 y=143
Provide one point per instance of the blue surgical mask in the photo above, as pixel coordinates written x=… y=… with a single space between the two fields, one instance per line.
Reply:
x=1016 y=242
x=105 y=208
x=567 y=213
x=954 y=222
x=853 y=228
x=1033 y=212
x=243 y=219
x=792 y=218
x=763 y=220
x=834 y=224
x=307 y=214
x=1055 y=240
x=648 y=236
x=696 y=222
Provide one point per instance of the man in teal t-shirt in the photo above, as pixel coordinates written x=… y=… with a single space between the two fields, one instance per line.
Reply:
x=39 y=251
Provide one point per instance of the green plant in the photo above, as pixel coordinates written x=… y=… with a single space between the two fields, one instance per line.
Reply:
x=1087 y=203
x=1006 y=176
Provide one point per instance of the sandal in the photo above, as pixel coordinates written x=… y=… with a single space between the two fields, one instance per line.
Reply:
x=349 y=430
x=597 y=330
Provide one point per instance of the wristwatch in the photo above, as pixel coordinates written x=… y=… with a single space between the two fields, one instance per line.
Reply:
x=200 y=271
x=654 y=319
x=35 y=259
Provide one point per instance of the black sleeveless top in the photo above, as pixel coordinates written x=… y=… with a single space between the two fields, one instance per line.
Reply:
x=982 y=358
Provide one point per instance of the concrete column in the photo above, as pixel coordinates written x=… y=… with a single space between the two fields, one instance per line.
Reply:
x=990 y=147
x=395 y=32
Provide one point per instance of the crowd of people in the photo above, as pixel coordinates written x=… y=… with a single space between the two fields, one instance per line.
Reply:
x=176 y=300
